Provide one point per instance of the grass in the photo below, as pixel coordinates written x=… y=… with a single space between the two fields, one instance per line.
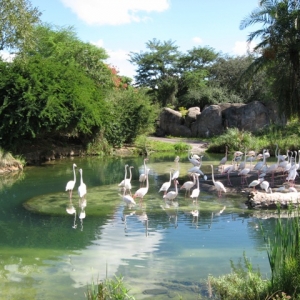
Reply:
x=109 y=289
x=7 y=160
x=287 y=137
x=284 y=258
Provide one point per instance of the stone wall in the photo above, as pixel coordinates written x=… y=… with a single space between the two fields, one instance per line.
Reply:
x=215 y=119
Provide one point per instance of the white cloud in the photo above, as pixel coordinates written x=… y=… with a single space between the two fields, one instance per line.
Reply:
x=114 y=12
x=98 y=43
x=242 y=48
x=119 y=60
x=197 y=40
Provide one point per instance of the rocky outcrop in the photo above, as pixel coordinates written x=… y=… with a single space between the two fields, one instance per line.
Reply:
x=215 y=119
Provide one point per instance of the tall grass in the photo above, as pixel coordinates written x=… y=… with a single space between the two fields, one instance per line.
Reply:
x=287 y=137
x=109 y=289
x=284 y=255
x=8 y=160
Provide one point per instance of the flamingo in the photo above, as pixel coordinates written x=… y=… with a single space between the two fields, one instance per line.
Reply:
x=82 y=186
x=224 y=159
x=273 y=168
x=193 y=160
x=256 y=182
x=218 y=184
x=127 y=199
x=122 y=183
x=141 y=192
x=143 y=176
x=196 y=191
x=126 y=182
x=265 y=185
x=70 y=185
x=228 y=170
x=176 y=172
x=172 y=194
x=244 y=172
x=164 y=188
x=189 y=184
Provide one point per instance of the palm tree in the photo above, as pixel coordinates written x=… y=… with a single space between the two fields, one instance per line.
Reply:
x=278 y=49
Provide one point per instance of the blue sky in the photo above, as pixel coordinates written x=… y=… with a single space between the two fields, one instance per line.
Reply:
x=123 y=26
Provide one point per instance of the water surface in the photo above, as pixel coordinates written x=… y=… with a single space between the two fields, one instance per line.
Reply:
x=162 y=249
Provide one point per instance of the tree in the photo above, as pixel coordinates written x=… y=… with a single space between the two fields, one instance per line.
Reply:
x=157 y=70
x=278 y=49
x=17 y=21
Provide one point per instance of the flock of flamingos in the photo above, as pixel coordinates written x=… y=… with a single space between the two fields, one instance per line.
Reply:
x=241 y=164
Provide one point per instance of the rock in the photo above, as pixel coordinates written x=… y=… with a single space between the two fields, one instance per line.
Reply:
x=216 y=119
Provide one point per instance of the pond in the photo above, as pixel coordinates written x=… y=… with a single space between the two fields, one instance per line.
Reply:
x=52 y=247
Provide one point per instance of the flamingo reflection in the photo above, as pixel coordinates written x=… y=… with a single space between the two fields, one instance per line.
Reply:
x=71 y=210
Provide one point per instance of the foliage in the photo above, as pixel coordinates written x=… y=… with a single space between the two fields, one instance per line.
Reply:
x=8 y=160
x=181 y=147
x=47 y=99
x=278 y=51
x=208 y=96
x=17 y=20
x=242 y=283
x=284 y=255
x=109 y=289
x=130 y=114
x=169 y=74
x=234 y=139
x=228 y=73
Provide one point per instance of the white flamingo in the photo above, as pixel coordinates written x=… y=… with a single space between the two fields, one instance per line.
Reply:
x=172 y=194
x=141 y=192
x=82 y=187
x=70 y=185
x=143 y=176
x=166 y=185
x=196 y=191
x=193 y=160
x=218 y=184
x=256 y=182
x=224 y=159
x=189 y=184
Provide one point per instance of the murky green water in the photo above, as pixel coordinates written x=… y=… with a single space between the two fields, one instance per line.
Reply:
x=160 y=248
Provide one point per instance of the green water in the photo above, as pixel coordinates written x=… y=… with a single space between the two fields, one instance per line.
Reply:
x=160 y=248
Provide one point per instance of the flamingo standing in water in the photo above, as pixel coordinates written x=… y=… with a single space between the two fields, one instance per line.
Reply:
x=166 y=185
x=141 y=192
x=70 y=185
x=143 y=176
x=218 y=184
x=189 y=184
x=82 y=186
x=172 y=194
x=196 y=191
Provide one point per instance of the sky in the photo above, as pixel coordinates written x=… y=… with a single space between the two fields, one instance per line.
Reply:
x=124 y=26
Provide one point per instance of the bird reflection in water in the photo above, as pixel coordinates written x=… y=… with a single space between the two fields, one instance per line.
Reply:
x=82 y=205
x=171 y=209
x=140 y=215
x=72 y=211
x=217 y=214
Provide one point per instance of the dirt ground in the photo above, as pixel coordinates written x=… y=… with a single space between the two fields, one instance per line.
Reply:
x=196 y=146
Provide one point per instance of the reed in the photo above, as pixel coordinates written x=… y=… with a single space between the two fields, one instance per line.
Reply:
x=108 y=289
x=284 y=255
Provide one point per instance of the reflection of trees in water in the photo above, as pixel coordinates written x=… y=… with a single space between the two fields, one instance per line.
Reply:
x=9 y=179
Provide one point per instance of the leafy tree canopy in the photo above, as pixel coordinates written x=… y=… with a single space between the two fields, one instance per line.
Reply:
x=17 y=21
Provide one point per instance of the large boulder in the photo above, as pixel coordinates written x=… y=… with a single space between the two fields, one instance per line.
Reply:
x=249 y=117
x=208 y=123
x=191 y=116
x=215 y=119
x=172 y=123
